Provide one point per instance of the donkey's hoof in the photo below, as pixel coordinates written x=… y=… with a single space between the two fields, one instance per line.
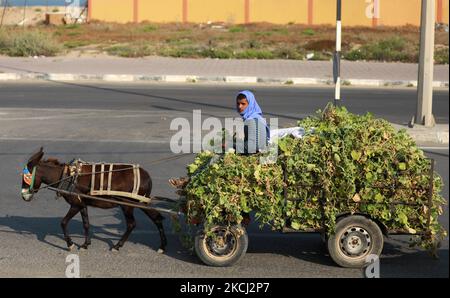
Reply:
x=71 y=247
x=83 y=248
x=114 y=249
x=160 y=251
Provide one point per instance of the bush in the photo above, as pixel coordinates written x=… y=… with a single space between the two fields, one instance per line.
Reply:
x=220 y=53
x=308 y=32
x=72 y=44
x=441 y=56
x=236 y=29
x=289 y=53
x=130 y=51
x=29 y=43
x=391 y=49
x=255 y=54
x=72 y=26
x=281 y=30
x=4 y=40
x=149 y=28
x=181 y=52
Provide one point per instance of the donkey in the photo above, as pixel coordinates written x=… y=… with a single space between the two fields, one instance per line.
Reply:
x=38 y=171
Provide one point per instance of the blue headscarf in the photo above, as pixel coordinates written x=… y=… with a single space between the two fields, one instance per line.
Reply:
x=253 y=111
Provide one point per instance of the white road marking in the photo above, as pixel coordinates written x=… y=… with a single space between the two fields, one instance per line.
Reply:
x=128 y=141
x=83 y=140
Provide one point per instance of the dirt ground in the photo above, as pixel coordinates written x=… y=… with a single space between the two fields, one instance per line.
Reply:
x=225 y=41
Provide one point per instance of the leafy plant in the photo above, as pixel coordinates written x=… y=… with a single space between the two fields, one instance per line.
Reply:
x=347 y=164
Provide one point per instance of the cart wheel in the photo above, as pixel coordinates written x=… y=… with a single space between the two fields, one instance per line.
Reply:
x=226 y=247
x=355 y=238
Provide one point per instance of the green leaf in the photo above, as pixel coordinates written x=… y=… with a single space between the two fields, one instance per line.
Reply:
x=295 y=225
x=337 y=158
x=402 y=166
x=310 y=167
x=402 y=218
x=192 y=168
x=355 y=155
x=244 y=206
x=379 y=198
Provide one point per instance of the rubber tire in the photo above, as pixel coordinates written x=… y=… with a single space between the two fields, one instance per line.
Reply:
x=241 y=247
x=341 y=226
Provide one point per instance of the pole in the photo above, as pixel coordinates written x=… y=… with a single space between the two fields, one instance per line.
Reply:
x=3 y=13
x=24 y=12
x=424 y=110
x=337 y=54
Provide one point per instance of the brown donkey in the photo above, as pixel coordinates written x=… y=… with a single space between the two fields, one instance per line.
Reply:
x=50 y=171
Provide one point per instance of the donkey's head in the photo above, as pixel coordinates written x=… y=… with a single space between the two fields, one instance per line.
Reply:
x=30 y=180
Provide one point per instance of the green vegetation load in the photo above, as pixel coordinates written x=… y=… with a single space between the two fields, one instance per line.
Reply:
x=347 y=164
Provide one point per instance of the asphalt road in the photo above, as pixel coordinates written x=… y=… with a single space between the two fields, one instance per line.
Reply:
x=130 y=123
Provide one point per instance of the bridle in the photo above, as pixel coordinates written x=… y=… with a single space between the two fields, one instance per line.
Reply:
x=29 y=178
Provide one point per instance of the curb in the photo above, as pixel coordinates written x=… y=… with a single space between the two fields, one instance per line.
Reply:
x=213 y=79
x=437 y=135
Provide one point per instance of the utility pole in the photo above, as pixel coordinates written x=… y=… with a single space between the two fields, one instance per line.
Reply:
x=424 y=110
x=337 y=54
x=24 y=12
x=3 y=13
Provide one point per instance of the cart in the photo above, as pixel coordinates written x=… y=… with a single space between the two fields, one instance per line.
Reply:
x=355 y=238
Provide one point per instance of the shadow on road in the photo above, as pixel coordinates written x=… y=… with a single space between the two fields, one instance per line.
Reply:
x=400 y=261
x=42 y=227
x=145 y=233
x=170 y=100
x=397 y=260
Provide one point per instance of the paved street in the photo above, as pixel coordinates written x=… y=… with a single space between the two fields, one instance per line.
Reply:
x=215 y=67
x=130 y=123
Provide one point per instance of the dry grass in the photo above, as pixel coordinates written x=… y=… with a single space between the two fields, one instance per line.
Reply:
x=29 y=43
x=253 y=41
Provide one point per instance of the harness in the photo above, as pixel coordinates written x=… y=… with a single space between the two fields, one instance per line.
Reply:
x=101 y=191
x=73 y=170
x=69 y=176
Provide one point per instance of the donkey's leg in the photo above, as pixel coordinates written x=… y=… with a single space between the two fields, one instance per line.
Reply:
x=72 y=212
x=131 y=224
x=157 y=219
x=85 y=217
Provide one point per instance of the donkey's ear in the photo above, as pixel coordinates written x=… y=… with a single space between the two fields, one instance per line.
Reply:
x=37 y=155
x=40 y=155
